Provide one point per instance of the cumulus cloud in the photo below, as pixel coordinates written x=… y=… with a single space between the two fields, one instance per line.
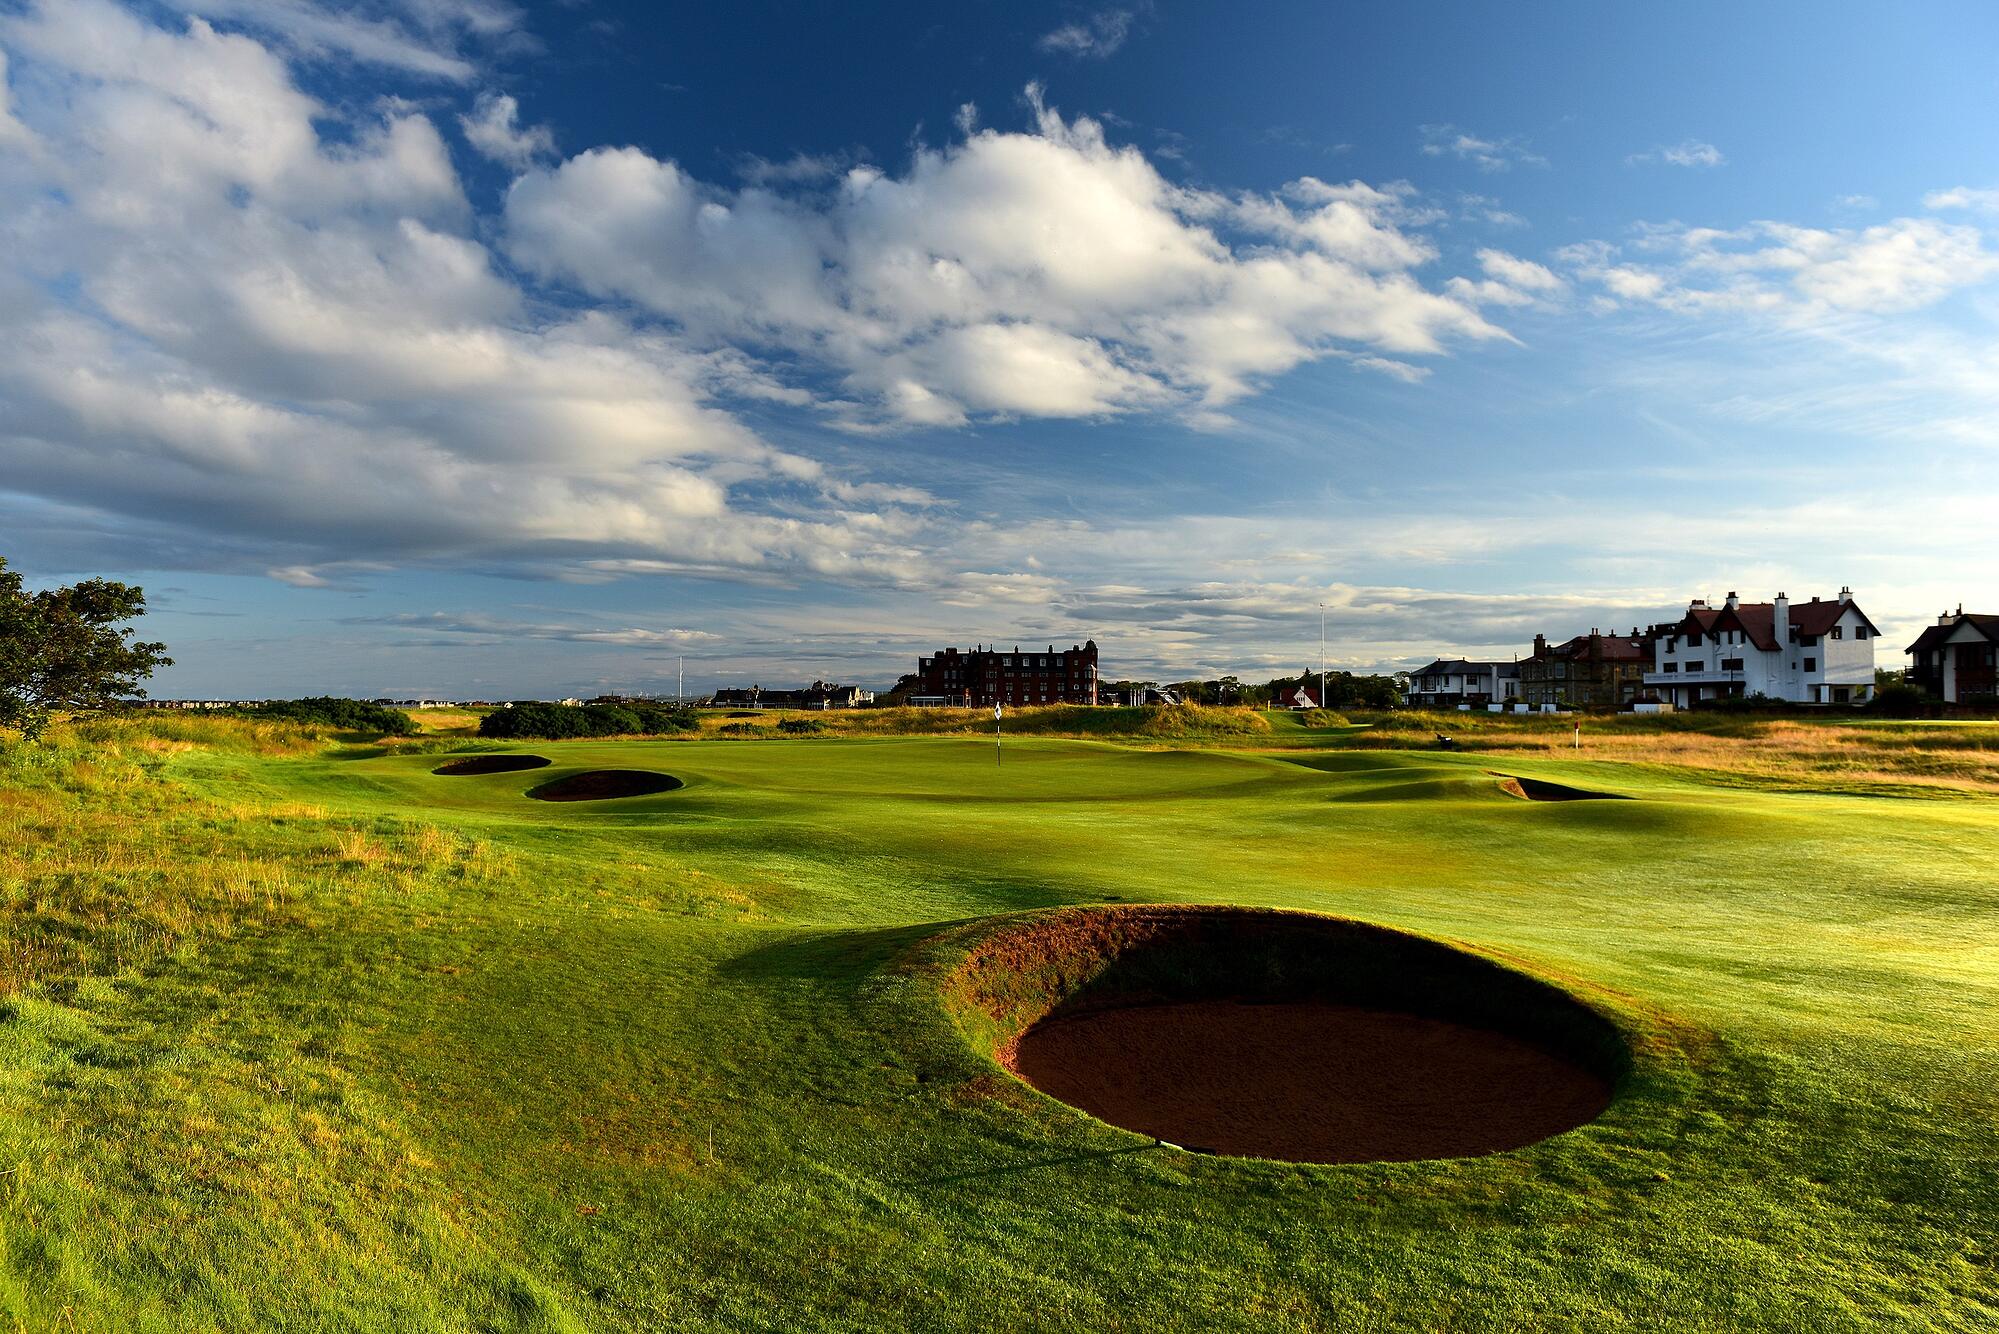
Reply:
x=1044 y=272
x=292 y=336
x=1687 y=153
x=1486 y=154
x=494 y=129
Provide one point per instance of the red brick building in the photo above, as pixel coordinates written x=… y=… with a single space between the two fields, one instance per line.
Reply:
x=1011 y=677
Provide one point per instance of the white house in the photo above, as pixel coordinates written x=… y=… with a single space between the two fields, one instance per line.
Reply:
x=1450 y=683
x=1817 y=652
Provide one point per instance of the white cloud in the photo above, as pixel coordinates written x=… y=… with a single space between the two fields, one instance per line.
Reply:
x=494 y=129
x=1962 y=197
x=498 y=627
x=288 y=336
x=1521 y=273
x=1492 y=155
x=426 y=37
x=1785 y=269
x=1095 y=37
x=1687 y=153
x=1035 y=248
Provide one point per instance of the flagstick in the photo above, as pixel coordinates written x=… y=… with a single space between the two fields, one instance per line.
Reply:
x=996 y=735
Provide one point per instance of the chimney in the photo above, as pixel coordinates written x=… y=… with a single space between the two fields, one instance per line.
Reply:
x=1780 y=621
x=1732 y=600
x=1540 y=645
x=1845 y=593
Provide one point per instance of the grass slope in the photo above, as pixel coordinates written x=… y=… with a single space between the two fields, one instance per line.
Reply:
x=304 y=1036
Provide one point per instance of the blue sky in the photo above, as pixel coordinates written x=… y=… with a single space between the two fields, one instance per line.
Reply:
x=458 y=347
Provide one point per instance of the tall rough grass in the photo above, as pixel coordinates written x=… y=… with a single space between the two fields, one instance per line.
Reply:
x=1836 y=750
x=1178 y=722
x=108 y=864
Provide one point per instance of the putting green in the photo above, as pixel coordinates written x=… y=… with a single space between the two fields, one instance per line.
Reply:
x=416 y=1053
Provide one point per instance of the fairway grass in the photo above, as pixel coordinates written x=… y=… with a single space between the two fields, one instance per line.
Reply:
x=298 y=1034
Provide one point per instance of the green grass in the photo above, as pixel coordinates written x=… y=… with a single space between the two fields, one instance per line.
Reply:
x=298 y=1035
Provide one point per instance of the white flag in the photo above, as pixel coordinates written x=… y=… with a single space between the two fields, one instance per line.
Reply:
x=998 y=708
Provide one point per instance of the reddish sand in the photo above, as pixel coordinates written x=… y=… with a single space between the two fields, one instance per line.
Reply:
x=491 y=764
x=605 y=784
x=1308 y=1082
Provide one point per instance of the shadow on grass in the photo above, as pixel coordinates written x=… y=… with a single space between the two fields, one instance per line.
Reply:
x=834 y=955
x=1067 y=1159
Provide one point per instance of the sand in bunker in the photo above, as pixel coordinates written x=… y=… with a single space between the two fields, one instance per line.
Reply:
x=605 y=785
x=1308 y=1082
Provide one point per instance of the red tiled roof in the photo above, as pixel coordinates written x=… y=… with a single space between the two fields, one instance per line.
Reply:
x=1757 y=620
x=1612 y=648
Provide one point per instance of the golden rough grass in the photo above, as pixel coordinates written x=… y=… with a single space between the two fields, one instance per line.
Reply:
x=1830 y=751
x=107 y=862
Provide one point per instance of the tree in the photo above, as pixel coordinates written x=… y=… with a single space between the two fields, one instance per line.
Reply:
x=63 y=648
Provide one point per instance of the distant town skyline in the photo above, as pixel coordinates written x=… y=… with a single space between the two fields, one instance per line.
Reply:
x=471 y=349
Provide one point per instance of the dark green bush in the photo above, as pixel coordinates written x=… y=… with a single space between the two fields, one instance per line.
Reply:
x=1899 y=700
x=350 y=714
x=540 y=721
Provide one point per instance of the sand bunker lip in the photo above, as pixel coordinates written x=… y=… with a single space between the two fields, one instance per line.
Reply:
x=1540 y=789
x=1292 y=1036
x=492 y=764
x=605 y=785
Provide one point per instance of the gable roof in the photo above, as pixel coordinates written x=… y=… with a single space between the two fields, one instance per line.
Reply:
x=1467 y=666
x=1934 y=635
x=1758 y=620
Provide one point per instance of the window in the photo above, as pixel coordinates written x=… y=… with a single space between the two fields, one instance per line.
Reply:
x=1731 y=664
x=1859 y=632
x=1697 y=666
x=1839 y=632
x=1811 y=664
x=1672 y=667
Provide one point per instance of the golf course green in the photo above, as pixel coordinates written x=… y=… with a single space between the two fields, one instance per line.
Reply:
x=299 y=1033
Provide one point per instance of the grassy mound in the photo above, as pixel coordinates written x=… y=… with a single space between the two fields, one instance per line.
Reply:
x=293 y=1035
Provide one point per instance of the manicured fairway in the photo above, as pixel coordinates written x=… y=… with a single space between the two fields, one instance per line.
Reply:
x=420 y=1052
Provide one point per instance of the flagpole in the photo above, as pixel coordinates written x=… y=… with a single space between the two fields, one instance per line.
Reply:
x=997 y=708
